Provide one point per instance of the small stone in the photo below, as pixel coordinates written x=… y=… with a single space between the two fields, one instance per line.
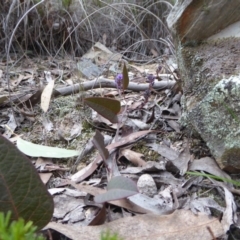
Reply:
x=146 y=185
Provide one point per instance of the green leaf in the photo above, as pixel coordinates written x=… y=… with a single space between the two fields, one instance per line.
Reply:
x=236 y=183
x=21 y=189
x=118 y=187
x=107 y=107
x=120 y=182
x=35 y=150
x=98 y=141
x=125 y=77
x=17 y=230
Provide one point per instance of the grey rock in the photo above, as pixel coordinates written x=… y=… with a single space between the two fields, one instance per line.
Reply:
x=217 y=118
x=146 y=185
x=192 y=20
x=88 y=69
x=206 y=37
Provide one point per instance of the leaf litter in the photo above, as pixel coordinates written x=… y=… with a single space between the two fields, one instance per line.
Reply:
x=181 y=204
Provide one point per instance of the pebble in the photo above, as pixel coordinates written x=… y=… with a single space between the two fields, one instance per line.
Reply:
x=146 y=185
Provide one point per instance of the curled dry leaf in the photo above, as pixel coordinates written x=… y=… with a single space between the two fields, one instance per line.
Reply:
x=100 y=217
x=151 y=205
x=229 y=215
x=134 y=157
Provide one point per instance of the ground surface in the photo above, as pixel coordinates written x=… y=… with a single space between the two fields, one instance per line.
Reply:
x=164 y=153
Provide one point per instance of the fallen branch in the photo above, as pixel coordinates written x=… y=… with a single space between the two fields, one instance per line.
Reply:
x=106 y=83
x=100 y=83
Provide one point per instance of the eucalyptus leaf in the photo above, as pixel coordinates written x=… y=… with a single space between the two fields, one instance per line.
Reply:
x=98 y=141
x=125 y=77
x=35 y=150
x=118 y=187
x=107 y=107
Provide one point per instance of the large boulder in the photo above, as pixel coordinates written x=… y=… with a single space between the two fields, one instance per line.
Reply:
x=207 y=41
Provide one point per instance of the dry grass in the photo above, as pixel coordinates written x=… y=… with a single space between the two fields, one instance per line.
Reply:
x=73 y=26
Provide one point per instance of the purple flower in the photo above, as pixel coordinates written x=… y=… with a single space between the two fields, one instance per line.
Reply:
x=150 y=79
x=119 y=81
x=159 y=69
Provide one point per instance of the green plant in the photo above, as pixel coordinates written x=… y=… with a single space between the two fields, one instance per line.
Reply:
x=21 y=190
x=66 y=3
x=108 y=236
x=118 y=187
x=17 y=230
x=236 y=183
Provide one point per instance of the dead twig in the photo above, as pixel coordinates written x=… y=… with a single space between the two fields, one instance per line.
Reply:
x=106 y=83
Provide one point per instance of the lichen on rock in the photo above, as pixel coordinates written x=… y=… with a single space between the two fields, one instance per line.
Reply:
x=216 y=117
x=210 y=71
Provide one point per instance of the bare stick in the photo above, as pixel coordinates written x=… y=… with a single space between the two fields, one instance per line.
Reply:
x=106 y=83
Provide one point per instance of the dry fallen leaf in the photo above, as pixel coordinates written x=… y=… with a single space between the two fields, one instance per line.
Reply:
x=229 y=215
x=202 y=205
x=174 y=125
x=181 y=225
x=64 y=204
x=124 y=203
x=88 y=170
x=45 y=177
x=10 y=126
x=183 y=159
x=47 y=93
x=134 y=157
x=15 y=82
x=209 y=165
x=164 y=151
